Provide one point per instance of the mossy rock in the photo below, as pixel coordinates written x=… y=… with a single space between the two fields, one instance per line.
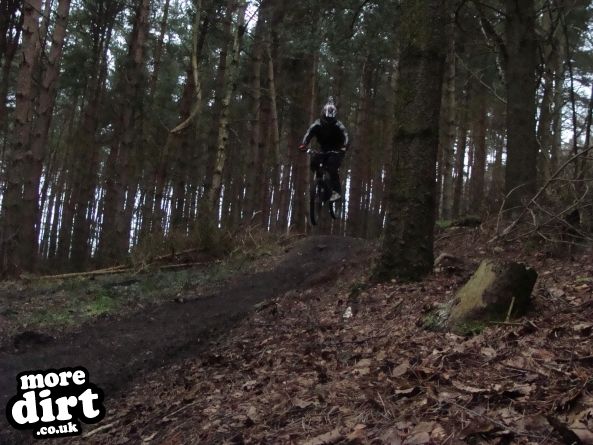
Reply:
x=494 y=289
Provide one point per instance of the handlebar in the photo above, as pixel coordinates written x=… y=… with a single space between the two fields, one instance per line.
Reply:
x=311 y=151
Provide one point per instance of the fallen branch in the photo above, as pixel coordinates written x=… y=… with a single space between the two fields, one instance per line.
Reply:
x=120 y=269
x=107 y=271
x=174 y=254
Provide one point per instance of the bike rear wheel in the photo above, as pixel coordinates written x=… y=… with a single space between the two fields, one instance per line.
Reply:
x=315 y=201
x=335 y=209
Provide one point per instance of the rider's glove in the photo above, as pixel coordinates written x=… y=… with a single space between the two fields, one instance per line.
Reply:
x=302 y=147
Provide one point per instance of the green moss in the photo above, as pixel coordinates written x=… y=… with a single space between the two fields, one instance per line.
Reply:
x=470 y=296
x=103 y=304
x=470 y=328
x=61 y=303
x=59 y=318
x=436 y=319
x=495 y=289
x=444 y=223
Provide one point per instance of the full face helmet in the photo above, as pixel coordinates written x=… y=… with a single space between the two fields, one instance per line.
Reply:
x=329 y=112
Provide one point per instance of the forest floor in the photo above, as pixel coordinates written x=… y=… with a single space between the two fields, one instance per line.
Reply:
x=121 y=327
x=295 y=350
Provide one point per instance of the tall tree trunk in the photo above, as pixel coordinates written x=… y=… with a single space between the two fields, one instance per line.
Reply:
x=18 y=244
x=181 y=154
x=360 y=155
x=45 y=108
x=275 y=128
x=216 y=110
x=86 y=163
x=559 y=74
x=448 y=132
x=213 y=194
x=113 y=245
x=10 y=33
x=302 y=175
x=460 y=154
x=521 y=45
x=255 y=145
x=158 y=51
x=476 y=189
x=407 y=250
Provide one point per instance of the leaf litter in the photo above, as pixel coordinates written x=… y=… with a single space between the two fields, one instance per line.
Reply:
x=298 y=372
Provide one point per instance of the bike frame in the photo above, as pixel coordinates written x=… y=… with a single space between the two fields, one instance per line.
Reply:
x=320 y=190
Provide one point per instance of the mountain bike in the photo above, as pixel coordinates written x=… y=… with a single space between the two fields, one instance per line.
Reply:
x=320 y=188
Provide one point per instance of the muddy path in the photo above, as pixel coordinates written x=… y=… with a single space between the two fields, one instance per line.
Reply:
x=116 y=350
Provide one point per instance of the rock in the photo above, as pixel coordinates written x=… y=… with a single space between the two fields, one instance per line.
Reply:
x=445 y=257
x=488 y=295
x=556 y=293
x=446 y=262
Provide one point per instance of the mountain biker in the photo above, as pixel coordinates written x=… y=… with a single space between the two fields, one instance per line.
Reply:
x=332 y=137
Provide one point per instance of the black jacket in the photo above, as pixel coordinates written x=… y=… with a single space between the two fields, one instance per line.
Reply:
x=331 y=136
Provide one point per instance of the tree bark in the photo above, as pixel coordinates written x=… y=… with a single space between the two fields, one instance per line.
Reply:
x=46 y=101
x=407 y=250
x=18 y=244
x=521 y=45
x=86 y=162
x=213 y=194
x=476 y=189
x=158 y=51
x=448 y=132
x=10 y=33
x=360 y=155
x=255 y=145
x=460 y=154
x=115 y=236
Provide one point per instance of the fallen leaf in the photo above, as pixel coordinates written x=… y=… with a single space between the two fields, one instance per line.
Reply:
x=438 y=434
x=249 y=384
x=423 y=427
x=357 y=433
x=582 y=432
x=488 y=352
x=252 y=413
x=325 y=439
x=418 y=439
x=467 y=388
x=364 y=363
x=400 y=370
x=408 y=392
x=519 y=390
x=583 y=328
x=567 y=434
x=391 y=437
x=302 y=404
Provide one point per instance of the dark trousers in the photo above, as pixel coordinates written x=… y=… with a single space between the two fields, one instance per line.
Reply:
x=332 y=162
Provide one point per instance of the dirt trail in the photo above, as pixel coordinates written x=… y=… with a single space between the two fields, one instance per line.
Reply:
x=116 y=350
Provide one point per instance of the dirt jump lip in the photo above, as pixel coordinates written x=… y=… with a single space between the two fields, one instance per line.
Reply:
x=118 y=350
